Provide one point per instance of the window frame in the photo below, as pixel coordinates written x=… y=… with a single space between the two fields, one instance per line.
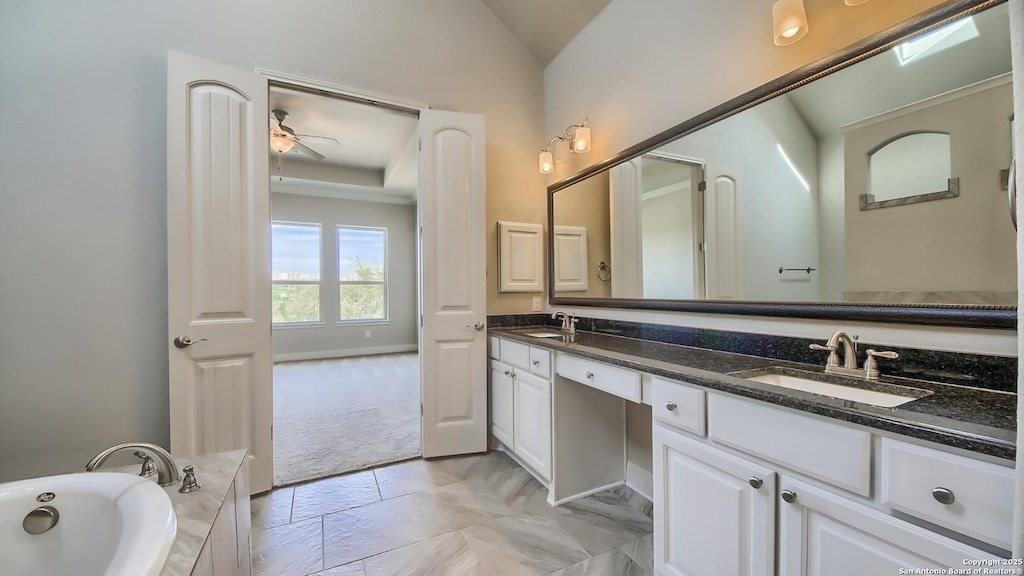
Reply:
x=385 y=283
x=320 y=283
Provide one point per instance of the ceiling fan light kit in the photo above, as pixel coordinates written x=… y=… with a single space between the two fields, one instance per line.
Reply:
x=284 y=139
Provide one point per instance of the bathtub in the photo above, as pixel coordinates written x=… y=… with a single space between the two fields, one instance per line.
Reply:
x=109 y=524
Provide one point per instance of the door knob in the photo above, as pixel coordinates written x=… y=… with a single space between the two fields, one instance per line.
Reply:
x=185 y=341
x=479 y=326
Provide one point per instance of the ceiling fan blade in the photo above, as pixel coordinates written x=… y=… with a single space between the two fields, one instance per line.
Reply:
x=307 y=150
x=335 y=140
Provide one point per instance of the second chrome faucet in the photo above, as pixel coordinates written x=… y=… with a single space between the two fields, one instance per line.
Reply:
x=849 y=367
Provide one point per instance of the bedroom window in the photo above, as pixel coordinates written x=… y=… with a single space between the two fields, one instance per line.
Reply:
x=362 y=274
x=295 y=257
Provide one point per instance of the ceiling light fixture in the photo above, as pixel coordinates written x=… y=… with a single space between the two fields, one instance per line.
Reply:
x=280 y=143
x=576 y=138
x=855 y=2
x=789 y=21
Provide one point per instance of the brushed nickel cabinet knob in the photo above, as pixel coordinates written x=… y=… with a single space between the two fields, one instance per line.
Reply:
x=943 y=495
x=756 y=482
x=789 y=496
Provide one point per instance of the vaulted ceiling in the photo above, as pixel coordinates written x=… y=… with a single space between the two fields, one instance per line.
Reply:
x=543 y=26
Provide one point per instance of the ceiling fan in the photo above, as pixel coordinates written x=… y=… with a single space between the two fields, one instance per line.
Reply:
x=283 y=138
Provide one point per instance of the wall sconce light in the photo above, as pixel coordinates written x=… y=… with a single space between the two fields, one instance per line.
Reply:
x=789 y=21
x=576 y=138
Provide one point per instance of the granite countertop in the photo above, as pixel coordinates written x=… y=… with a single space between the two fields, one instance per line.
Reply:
x=196 y=511
x=974 y=419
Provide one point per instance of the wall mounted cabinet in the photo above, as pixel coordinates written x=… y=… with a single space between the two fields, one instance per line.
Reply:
x=520 y=257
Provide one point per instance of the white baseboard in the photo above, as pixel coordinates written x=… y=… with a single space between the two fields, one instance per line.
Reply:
x=640 y=481
x=590 y=492
x=346 y=353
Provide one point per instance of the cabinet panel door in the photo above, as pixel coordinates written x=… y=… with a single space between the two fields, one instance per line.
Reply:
x=709 y=518
x=823 y=534
x=501 y=403
x=224 y=538
x=533 y=422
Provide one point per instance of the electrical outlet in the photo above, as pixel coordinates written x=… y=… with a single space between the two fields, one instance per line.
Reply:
x=536 y=304
x=367 y=333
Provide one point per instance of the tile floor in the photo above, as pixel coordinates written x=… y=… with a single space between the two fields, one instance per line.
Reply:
x=470 y=515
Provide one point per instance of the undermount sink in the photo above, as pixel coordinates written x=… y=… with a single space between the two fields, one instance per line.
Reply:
x=541 y=333
x=863 y=392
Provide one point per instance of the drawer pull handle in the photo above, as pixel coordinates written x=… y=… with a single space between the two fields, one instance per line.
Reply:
x=943 y=495
x=671 y=406
x=590 y=375
x=789 y=496
x=536 y=362
x=756 y=482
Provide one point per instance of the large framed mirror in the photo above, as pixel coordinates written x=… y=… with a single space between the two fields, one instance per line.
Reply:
x=865 y=186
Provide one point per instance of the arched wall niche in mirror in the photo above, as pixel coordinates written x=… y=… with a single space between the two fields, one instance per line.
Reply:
x=767 y=204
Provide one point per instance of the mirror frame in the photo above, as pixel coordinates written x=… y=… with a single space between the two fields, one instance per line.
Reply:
x=962 y=315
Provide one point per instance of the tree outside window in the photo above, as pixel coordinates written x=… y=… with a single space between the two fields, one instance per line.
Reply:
x=362 y=273
x=295 y=265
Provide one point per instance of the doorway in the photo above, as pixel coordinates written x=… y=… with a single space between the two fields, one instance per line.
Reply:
x=344 y=285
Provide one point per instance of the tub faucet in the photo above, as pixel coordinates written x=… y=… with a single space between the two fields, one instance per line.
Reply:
x=166 y=469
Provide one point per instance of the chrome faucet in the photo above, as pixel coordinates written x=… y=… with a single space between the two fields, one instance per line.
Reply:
x=166 y=469
x=849 y=367
x=568 y=321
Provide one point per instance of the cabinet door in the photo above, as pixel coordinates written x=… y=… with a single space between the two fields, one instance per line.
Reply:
x=533 y=422
x=714 y=513
x=501 y=403
x=824 y=534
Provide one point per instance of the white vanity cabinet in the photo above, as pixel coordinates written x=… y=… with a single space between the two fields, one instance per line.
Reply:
x=714 y=513
x=824 y=534
x=715 y=498
x=520 y=403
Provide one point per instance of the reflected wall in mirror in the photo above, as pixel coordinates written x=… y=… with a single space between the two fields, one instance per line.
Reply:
x=792 y=184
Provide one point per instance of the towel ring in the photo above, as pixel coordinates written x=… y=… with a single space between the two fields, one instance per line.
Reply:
x=604 y=272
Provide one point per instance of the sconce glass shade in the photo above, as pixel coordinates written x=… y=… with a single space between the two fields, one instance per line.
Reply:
x=855 y=2
x=281 y=144
x=789 y=21
x=546 y=162
x=581 y=141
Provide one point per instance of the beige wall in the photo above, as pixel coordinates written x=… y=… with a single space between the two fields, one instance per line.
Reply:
x=963 y=244
x=83 y=356
x=587 y=204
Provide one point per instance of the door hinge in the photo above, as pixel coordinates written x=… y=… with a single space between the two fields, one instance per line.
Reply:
x=421 y=231
x=421 y=409
x=421 y=320
x=703 y=246
x=703 y=186
x=420 y=145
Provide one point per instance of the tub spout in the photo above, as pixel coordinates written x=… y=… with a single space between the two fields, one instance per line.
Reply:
x=166 y=469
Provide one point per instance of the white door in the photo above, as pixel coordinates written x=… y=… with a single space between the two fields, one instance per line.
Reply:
x=533 y=421
x=453 y=271
x=501 y=403
x=722 y=234
x=218 y=262
x=714 y=513
x=823 y=534
x=627 y=255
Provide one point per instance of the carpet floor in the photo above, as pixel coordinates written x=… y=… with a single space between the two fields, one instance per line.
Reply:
x=337 y=416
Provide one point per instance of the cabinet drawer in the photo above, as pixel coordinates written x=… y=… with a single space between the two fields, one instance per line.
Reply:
x=830 y=452
x=494 y=347
x=610 y=379
x=516 y=354
x=982 y=493
x=679 y=405
x=540 y=362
